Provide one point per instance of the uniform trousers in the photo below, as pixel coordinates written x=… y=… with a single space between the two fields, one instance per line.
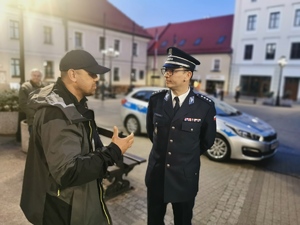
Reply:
x=182 y=211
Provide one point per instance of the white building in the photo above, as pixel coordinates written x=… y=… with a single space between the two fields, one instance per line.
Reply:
x=53 y=27
x=263 y=32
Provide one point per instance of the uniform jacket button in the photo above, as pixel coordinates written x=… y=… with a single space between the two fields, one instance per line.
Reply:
x=168 y=165
x=171 y=141
x=169 y=153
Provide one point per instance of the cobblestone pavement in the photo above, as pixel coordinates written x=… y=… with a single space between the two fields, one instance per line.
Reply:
x=235 y=192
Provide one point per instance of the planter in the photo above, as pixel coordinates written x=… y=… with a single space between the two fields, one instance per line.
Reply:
x=24 y=135
x=8 y=123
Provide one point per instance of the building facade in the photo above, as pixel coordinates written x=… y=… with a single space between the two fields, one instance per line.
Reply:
x=44 y=33
x=208 y=40
x=263 y=32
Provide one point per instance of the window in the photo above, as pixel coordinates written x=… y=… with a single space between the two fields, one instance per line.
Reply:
x=78 y=40
x=295 y=50
x=101 y=43
x=251 y=23
x=117 y=45
x=164 y=44
x=216 y=65
x=14 y=29
x=49 y=73
x=15 y=67
x=274 y=20
x=198 y=41
x=248 y=52
x=143 y=95
x=221 y=39
x=47 y=35
x=182 y=42
x=134 y=49
x=116 y=74
x=133 y=74
x=297 y=18
x=141 y=75
x=270 y=51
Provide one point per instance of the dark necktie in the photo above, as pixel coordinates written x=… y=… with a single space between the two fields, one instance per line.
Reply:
x=176 y=107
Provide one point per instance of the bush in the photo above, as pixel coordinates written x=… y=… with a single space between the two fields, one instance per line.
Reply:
x=9 y=101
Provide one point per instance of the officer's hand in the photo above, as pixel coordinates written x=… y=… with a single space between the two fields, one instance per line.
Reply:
x=123 y=143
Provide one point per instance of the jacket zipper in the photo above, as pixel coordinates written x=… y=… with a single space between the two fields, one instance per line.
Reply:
x=104 y=208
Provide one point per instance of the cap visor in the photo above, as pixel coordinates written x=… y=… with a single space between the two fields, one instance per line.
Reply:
x=97 y=69
x=168 y=65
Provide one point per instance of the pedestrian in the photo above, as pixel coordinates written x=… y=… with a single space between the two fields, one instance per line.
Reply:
x=179 y=138
x=26 y=88
x=102 y=88
x=237 y=93
x=67 y=160
x=222 y=94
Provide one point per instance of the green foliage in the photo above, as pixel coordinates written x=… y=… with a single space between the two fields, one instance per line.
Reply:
x=9 y=101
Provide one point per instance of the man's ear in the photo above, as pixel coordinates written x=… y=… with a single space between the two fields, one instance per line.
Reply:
x=72 y=75
x=189 y=75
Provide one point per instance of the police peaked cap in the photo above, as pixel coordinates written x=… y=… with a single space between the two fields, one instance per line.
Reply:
x=178 y=58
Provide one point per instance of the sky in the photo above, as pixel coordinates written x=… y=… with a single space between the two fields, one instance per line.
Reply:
x=152 y=13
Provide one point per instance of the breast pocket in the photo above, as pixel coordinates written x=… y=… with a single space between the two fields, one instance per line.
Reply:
x=191 y=126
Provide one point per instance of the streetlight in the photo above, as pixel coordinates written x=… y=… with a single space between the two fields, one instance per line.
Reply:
x=110 y=53
x=281 y=62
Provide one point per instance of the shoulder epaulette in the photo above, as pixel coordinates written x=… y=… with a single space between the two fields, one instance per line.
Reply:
x=159 y=92
x=205 y=98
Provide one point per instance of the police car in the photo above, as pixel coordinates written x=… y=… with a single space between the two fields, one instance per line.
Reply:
x=239 y=135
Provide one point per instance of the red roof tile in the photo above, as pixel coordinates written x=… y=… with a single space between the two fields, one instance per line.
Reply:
x=209 y=30
x=90 y=12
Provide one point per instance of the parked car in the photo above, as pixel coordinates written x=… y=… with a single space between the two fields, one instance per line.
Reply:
x=239 y=135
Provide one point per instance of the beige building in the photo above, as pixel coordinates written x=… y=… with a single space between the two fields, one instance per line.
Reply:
x=37 y=35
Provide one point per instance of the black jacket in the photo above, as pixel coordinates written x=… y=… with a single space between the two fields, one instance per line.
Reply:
x=174 y=160
x=66 y=162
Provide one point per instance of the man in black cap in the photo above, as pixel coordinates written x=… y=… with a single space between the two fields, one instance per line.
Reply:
x=66 y=160
x=181 y=125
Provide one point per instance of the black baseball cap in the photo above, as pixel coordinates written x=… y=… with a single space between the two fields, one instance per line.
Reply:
x=178 y=58
x=80 y=59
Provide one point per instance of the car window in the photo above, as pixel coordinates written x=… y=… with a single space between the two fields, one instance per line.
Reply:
x=143 y=95
x=224 y=109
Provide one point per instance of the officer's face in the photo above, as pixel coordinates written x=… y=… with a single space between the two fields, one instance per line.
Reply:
x=177 y=78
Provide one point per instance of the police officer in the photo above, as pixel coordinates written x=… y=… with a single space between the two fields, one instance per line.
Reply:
x=179 y=137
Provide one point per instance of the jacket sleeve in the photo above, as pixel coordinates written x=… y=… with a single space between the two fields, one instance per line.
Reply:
x=67 y=151
x=149 y=120
x=208 y=132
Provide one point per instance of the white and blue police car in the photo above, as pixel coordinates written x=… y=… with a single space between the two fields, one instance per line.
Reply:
x=239 y=135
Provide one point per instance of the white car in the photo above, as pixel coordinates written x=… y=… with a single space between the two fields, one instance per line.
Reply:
x=239 y=135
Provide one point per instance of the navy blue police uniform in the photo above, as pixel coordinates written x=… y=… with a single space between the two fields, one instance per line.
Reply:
x=172 y=174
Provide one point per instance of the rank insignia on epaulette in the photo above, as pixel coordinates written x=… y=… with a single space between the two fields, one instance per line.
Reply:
x=204 y=97
x=191 y=100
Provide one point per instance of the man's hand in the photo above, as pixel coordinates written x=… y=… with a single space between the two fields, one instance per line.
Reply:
x=123 y=143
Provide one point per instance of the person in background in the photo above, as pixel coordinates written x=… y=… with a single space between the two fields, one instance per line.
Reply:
x=26 y=88
x=237 y=93
x=66 y=159
x=181 y=125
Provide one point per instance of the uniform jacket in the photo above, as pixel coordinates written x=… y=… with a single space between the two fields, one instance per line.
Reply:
x=66 y=161
x=174 y=160
x=24 y=92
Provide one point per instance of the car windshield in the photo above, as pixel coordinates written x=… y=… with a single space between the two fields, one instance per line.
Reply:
x=223 y=109
x=143 y=95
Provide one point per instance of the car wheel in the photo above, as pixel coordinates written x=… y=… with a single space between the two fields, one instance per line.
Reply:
x=220 y=151
x=132 y=125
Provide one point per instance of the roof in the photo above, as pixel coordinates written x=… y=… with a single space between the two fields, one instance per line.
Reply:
x=99 y=13
x=204 y=36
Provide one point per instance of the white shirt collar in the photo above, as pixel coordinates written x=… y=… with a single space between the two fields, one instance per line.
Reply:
x=181 y=97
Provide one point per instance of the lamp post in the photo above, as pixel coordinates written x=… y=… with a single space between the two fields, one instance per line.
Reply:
x=110 y=53
x=281 y=62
